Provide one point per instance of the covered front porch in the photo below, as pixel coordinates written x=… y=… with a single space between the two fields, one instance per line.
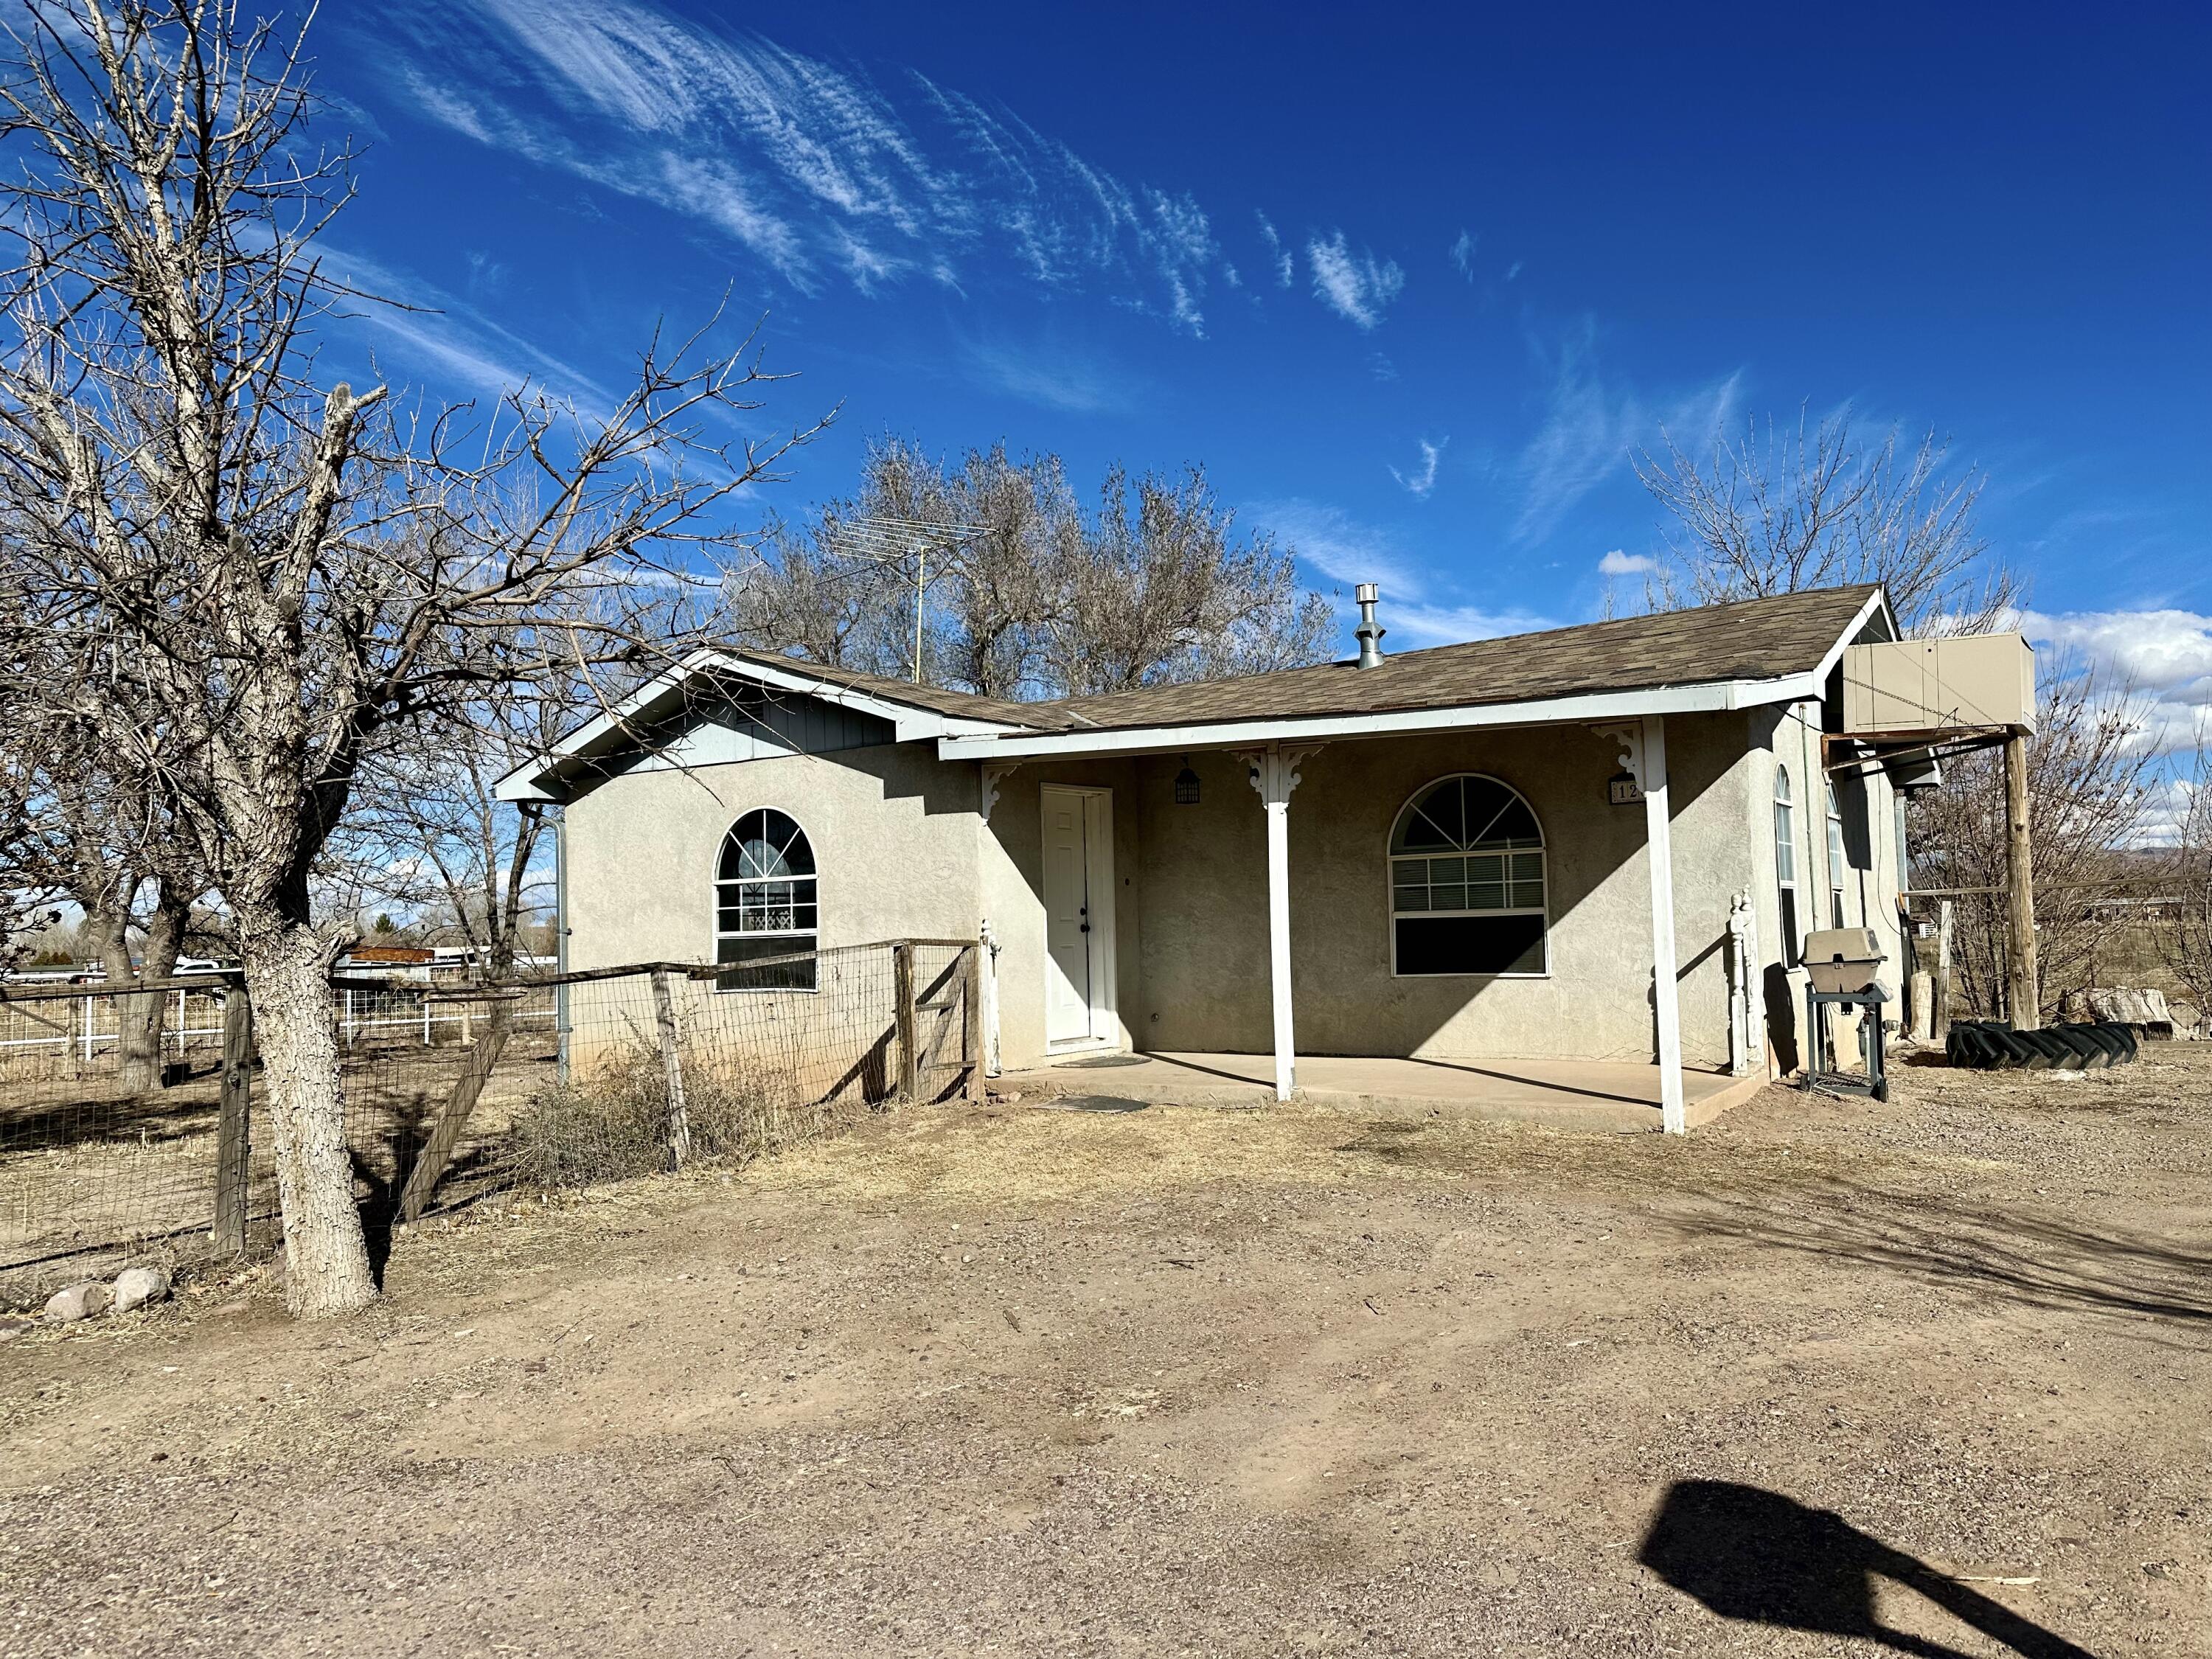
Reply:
x=1593 y=1097
x=1189 y=913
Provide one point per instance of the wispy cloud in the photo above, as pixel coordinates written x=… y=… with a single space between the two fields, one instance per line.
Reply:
x=1044 y=374
x=429 y=328
x=1463 y=255
x=811 y=167
x=1286 y=268
x=1342 y=549
x=1358 y=287
x=1422 y=478
x=1590 y=430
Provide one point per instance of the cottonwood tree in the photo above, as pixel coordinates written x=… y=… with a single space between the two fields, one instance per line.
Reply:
x=1029 y=595
x=252 y=577
x=1781 y=510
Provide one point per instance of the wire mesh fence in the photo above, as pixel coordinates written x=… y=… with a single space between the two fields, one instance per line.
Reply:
x=109 y=1117
x=450 y=1093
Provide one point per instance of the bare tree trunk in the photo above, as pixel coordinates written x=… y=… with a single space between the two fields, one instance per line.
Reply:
x=327 y=1259
x=139 y=1018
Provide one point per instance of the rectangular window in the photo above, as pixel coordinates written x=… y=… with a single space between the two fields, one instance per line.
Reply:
x=1480 y=913
x=779 y=976
x=1471 y=944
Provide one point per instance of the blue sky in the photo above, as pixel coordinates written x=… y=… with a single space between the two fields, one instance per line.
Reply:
x=1412 y=283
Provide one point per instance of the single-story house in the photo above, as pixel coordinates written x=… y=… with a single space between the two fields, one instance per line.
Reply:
x=1467 y=853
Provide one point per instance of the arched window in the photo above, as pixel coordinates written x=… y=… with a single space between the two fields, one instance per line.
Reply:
x=764 y=901
x=1837 y=863
x=1786 y=861
x=1466 y=881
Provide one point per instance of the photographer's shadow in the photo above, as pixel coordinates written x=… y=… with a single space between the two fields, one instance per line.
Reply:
x=1755 y=1555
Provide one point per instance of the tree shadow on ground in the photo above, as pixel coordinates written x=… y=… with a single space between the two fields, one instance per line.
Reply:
x=1754 y=1555
x=2038 y=1260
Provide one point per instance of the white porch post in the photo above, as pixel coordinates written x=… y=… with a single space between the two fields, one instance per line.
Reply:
x=1659 y=841
x=1274 y=775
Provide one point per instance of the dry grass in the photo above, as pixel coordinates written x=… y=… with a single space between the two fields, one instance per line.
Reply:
x=615 y=1121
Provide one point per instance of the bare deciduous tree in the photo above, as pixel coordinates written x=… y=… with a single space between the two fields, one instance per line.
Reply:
x=251 y=579
x=2087 y=771
x=2185 y=936
x=1028 y=596
x=98 y=831
x=1781 y=511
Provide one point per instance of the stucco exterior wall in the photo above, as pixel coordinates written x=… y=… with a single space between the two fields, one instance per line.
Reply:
x=1205 y=982
x=1873 y=874
x=1012 y=858
x=902 y=851
x=893 y=827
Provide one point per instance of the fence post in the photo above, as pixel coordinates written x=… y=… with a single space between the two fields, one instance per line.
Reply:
x=1941 y=1025
x=232 y=1145
x=446 y=1135
x=909 y=1071
x=971 y=1023
x=87 y=1030
x=671 y=1066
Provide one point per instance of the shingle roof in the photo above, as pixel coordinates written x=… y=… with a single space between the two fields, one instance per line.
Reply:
x=938 y=699
x=1750 y=640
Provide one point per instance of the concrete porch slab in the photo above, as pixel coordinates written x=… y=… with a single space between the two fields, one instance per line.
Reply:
x=1601 y=1095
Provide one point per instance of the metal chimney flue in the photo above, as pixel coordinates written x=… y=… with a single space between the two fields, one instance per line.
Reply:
x=1369 y=632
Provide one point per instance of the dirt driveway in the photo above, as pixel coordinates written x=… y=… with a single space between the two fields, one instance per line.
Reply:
x=1825 y=1377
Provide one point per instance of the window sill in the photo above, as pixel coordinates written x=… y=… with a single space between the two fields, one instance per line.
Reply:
x=1546 y=973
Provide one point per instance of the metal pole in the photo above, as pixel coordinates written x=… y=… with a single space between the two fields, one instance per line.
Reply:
x=921 y=565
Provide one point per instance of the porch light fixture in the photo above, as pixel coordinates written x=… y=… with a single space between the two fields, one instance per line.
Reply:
x=1186 y=785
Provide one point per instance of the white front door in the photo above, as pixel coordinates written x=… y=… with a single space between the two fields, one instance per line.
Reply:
x=1078 y=996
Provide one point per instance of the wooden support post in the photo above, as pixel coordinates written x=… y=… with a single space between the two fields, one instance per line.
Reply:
x=1942 y=997
x=446 y=1135
x=971 y=1020
x=672 y=1068
x=233 y=1143
x=2023 y=1000
x=909 y=1075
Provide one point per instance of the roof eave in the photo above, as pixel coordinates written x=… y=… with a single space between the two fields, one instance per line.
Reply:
x=541 y=778
x=1583 y=709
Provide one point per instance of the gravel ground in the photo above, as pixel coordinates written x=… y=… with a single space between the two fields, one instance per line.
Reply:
x=1825 y=1377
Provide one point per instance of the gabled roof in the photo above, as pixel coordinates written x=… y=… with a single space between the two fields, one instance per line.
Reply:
x=1721 y=656
x=938 y=699
x=1750 y=640
x=585 y=755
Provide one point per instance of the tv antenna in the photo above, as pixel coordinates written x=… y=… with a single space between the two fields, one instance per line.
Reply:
x=888 y=539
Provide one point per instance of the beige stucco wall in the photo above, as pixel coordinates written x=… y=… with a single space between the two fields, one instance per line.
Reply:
x=1012 y=857
x=904 y=853
x=894 y=830
x=1204 y=982
x=1872 y=876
